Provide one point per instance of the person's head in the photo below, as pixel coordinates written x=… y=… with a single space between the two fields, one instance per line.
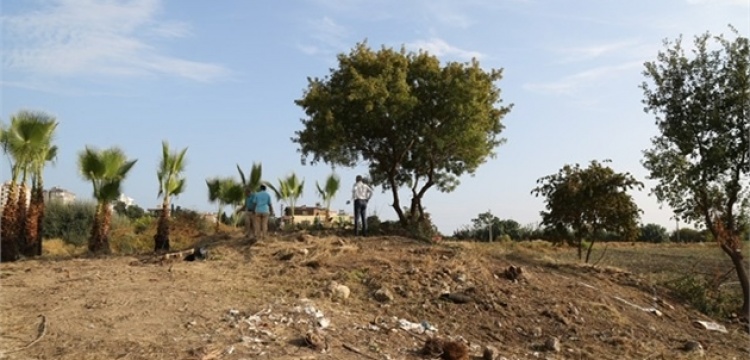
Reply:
x=262 y=188
x=248 y=191
x=359 y=178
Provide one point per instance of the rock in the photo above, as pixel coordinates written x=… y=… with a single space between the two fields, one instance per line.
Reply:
x=383 y=295
x=338 y=291
x=513 y=273
x=455 y=350
x=537 y=331
x=316 y=340
x=552 y=344
x=458 y=298
x=490 y=353
x=305 y=238
x=433 y=347
x=693 y=346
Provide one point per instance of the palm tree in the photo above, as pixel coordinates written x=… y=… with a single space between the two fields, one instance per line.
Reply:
x=327 y=193
x=289 y=191
x=27 y=142
x=224 y=191
x=171 y=183
x=253 y=182
x=106 y=169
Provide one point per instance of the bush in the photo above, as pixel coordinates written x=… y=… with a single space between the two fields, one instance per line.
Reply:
x=687 y=235
x=653 y=233
x=69 y=222
x=708 y=297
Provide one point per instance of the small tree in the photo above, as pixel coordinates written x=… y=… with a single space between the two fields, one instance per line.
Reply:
x=171 y=183
x=328 y=192
x=653 y=233
x=588 y=201
x=223 y=192
x=701 y=159
x=106 y=169
x=289 y=191
x=253 y=182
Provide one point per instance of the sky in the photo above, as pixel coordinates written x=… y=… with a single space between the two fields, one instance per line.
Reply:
x=221 y=77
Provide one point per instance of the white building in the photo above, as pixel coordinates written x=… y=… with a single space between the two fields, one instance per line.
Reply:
x=59 y=194
x=128 y=201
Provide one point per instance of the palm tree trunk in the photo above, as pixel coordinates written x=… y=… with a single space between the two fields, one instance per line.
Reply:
x=40 y=220
x=8 y=227
x=99 y=241
x=29 y=247
x=161 y=239
x=21 y=212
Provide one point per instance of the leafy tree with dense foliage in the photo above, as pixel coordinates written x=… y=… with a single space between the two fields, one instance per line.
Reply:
x=588 y=201
x=106 y=169
x=69 y=222
x=414 y=122
x=28 y=144
x=653 y=233
x=171 y=183
x=700 y=159
x=289 y=191
x=328 y=192
x=488 y=227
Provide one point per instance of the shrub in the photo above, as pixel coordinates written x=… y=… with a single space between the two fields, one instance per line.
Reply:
x=69 y=222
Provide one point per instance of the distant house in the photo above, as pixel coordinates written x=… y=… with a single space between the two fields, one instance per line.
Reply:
x=58 y=194
x=316 y=214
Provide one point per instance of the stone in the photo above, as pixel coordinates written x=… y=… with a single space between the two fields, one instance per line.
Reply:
x=383 y=295
x=490 y=353
x=552 y=344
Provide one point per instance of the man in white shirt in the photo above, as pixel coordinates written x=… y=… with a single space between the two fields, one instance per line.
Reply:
x=361 y=193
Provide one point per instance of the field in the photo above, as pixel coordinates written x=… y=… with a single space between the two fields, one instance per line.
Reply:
x=271 y=300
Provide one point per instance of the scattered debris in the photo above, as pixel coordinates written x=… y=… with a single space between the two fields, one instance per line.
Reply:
x=41 y=329
x=316 y=340
x=421 y=328
x=357 y=351
x=708 y=325
x=652 y=310
x=445 y=349
x=198 y=253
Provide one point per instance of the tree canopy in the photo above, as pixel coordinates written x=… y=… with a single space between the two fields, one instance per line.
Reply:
x=413 y=121
x=700 y=158
x=590 y=200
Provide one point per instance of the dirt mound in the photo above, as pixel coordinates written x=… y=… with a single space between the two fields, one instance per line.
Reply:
x=285 y=299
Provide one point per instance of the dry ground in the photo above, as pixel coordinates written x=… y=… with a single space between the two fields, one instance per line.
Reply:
x=260 y=300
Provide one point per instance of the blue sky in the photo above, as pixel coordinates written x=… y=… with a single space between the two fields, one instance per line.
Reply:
x=221 y=77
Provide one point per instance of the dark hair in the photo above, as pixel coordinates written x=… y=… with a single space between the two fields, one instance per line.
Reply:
x=359 y=177
x=262 y=188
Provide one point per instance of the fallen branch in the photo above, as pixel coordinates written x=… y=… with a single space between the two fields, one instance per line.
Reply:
x=41 y=330
x=357 y=351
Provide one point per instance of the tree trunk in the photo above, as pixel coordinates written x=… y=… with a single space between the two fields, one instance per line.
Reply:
x=40 y=225
x=161 y=239
x=21 y=219
x=396 y=203
x=588 y=252
x=580 y=249
x=32 y=236
x=99 y=241
x=8 y=228
x=736 y=256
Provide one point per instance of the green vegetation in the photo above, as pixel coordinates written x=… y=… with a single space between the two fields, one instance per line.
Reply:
x=106 y=169
x=700 y=158
x=589 y=201
x=382 y=107
x=171 y=183
x=28 y=144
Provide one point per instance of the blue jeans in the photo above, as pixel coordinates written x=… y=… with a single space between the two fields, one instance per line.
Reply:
x=360 y=214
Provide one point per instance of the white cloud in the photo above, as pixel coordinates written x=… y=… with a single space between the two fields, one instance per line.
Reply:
x=574 y=54
x=326 y=37
x=745 y=3
x=68 y=38
x=441 y=48
x=572 y=84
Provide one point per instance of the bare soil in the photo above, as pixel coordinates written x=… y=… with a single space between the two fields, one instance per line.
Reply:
x=262 y=300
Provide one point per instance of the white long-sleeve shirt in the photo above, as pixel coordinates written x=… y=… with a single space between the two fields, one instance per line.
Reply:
x=361 y=191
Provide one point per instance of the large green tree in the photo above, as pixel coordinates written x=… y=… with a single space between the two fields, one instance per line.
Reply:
x=415 y=122
x=28 y=144
x=106 y=169
x=171 y=183
x=700 y=158
x=588 y=201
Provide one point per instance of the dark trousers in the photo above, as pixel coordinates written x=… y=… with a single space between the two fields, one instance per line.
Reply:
x=360 y=214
